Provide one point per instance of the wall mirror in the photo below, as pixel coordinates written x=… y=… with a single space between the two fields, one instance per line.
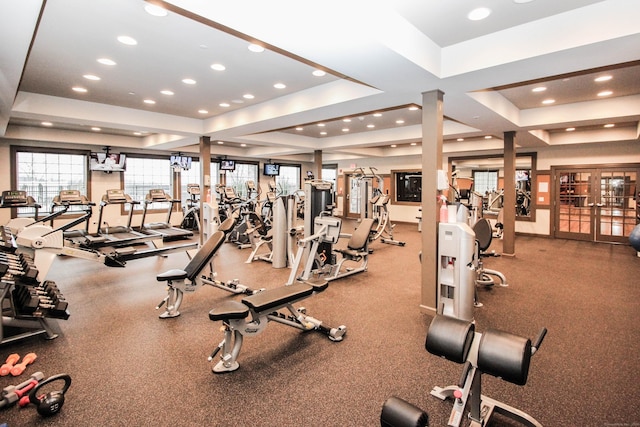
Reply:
x=483 y=176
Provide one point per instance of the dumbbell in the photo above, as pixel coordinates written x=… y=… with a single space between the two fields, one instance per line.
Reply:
x=28 y=359
x=12 y=394
x=30 y=300
x=11 y=360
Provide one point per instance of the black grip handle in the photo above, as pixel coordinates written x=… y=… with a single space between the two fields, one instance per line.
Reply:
x=465 y=371
x=539 y=340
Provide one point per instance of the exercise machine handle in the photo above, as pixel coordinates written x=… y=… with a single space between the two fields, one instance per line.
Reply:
x=538 y=341
x=465 y=371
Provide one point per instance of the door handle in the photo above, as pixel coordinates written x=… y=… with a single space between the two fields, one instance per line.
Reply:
x=590 y=205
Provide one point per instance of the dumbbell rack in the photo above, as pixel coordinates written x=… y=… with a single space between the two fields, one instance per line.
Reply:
x=16 y=273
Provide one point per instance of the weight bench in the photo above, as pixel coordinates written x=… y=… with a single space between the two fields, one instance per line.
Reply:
x=181 y=281
x=494 y=352
x=251 y=315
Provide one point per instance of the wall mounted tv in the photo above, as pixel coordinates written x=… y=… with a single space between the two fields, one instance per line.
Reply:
x=271 y=169
x=104 y=162
x=181 y=162
x=227 y=165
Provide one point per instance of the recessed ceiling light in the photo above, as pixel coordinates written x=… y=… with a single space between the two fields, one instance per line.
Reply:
x=605 y=93
x=106 y=61
x=91 y=77
x=318 y=73
x=224 y=104
x=243 y=145
x=137 y=133
x=129 y=41
x=603 y=78
x=609 y=125
x=413 y=108
x=280 y=85
x=414 y=143
x=371 y=126
x=522 y=1
x=321 y=125
x=323 y=133
x=346 y=120
x=345 y=129
x=248 y=96
x=46 y=124
x=539 y=89
x=548 y=101
x=399 y=122
x=237 y=101
x=149 y=101
x=487 y=137
x=203 y=111
x=479 y=13
x=299 y=128
x=188 y=81
x=155 y=10
x=460 y=139
x=218 y=67
x=166 y=92
x=96 y=129
x=220 y=142
x=393 y=145
x=377 y=114
x=79 y=89
x=570 y=129
x=255 y=48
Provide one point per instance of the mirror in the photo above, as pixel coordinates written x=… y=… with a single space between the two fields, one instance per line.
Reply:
x=484 y=176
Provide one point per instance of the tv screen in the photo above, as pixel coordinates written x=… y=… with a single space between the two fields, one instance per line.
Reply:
x=271 y=169
x=227 y=165
x=182 y=162
x=104 y=162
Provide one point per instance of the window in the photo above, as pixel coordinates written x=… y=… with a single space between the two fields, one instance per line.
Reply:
x=289 y=180
x=408 y=186
x=485 y=181
x=192 y=176
x=238 y=178
x=330 y=173
x=44 y=174
x=144 y=174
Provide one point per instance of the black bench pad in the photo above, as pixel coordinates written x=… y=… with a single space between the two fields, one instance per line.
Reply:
x=229 y=310
x=277 y=297
x=174 y=274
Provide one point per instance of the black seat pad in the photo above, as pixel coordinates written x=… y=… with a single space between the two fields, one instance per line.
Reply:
x=229 y=310
x=198 y=262
x=277 y=297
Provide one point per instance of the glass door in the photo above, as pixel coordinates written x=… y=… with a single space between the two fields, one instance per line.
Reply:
x=353 y=196
x=596 y=204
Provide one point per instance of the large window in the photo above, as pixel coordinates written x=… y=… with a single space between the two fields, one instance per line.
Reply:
x=485 y=181
x=330 y=173
x=192 y=176
x=44 y=174
x=144 y=174
x=238 y=178
x=288 y=181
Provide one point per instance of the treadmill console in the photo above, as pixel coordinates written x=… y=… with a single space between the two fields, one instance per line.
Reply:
x=157 y=195
x=116 y=196
x=71 y=197
x=11 y=198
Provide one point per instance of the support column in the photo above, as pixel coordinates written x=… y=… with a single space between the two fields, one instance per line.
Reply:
x=432 y=124
x=509 y=201
x=205 y=177
x=317 y=164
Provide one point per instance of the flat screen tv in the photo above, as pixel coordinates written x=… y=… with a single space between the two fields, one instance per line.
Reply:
x=271 y=169
x=181 y=162
x=227 y=165
x=111 y=162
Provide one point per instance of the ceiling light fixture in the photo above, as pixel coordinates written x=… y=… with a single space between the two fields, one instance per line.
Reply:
x=149 y=101
x=202 y=111
x=488 y=137
x=129 y=41
x=46 y=124
x=225 y=105
x=91 y=77
x=371 y=126
x=393 y=145
x=299 y=128
x=345 y=129
x=522 y=1
x=539 y=89
x=248 y=96
x=280 y=85
x=548 y=101
x=96 y=129
x=460 y=139
x=155 y=10
x=167 y=92
x=79 y=89
x=106 y=61
x=413 y=108
x=188 y=81
x=220 y=142
x=604 y=78
x=346 y=120
x=605 y=93
x=570 y=129
x=243 y=145
x=399 y=122
x=218 y=67
x=321 y=125
x=255 y=48
x=414 y=143
x=609 y=125
x=323 y=133
x=479 y=14
x=318 y=73
x=377 y=114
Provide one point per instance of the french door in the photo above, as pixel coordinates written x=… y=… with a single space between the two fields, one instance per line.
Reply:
x=596 y=204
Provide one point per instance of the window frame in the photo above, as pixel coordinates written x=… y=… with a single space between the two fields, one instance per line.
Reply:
x=394 y=184
x=299 y=177
x=172 y=178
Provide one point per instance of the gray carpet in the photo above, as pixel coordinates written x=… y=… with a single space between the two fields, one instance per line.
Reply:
x=131 y=368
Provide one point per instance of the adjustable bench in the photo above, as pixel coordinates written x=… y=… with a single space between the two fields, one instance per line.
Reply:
x=251 y=315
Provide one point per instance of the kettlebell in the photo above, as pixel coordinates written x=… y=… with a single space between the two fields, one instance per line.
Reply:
x=50 y=403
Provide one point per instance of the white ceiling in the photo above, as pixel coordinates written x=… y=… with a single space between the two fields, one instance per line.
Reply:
x=380 y=56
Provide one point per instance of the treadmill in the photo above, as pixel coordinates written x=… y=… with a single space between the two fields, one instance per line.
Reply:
x=118 y=235
x=66 y=199
x=164 y=229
